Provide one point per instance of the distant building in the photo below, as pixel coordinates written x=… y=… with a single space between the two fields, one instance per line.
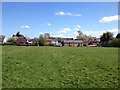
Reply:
x=31 y=42
x=81 y=40
x=76 y=43
x=55 y=42
x=67 y=38
x=48 y=42
x=21 y=40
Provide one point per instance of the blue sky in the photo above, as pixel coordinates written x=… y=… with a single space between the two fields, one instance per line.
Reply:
x=59 y=19
x=60 y=0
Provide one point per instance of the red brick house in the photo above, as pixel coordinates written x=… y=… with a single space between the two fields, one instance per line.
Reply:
x=20 y=40
x=32 y=42
x=48 y=42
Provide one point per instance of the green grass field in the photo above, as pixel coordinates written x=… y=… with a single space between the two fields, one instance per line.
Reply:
x=59 y=67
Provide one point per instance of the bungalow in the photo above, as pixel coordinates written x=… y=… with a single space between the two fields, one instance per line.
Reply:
x=56 y=42
x=76 y=43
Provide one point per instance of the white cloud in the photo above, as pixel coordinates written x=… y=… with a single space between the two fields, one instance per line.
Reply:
x=98 y=33
x=77 y=28
x=89 y=33
x=64 y=33
x=25 y=26
x=57 y=35
x=49 y=24
x=41 y=33
x=110 y=19
x=114 y=31
x=75 y=33
x=61 y=13
x=64 y=30
x=72 y=32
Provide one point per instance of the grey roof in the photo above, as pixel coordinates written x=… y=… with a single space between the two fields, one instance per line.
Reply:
x=73 y=41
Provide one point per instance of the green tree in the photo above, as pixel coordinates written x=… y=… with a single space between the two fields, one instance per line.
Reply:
x=105 y=38
x=118 y=35
x=41 y=40
x=18 y=34
x=115 y=42
x=2 y=37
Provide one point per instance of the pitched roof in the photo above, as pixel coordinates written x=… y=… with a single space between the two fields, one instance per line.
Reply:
x=73 y=41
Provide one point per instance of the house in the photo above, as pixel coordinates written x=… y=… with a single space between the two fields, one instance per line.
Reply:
x=21 y=40
x=81 y=40
x=75 y=43
x=56 y=42
x=88 y=40
x=48 y=42
x=32 y=42
x=67 y=38
x=66 y=42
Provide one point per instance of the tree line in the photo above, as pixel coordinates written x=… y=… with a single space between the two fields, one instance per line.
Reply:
x=107 y=40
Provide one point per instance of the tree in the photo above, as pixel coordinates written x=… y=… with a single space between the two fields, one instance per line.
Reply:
x=46 y=35
x=18 y=34
x=2 y=37
x=115 y=42
x=106 y=37
x=41 y=40
x=80 y=35
x=118 y=35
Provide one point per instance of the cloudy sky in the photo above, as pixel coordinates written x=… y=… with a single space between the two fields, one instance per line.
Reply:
x=60 y=19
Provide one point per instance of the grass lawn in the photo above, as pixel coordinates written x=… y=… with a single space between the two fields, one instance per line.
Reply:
x=60 y=67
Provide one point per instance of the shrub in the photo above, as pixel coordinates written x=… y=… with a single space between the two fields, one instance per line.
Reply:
x=42 y=41
x=115 y=42
x=105 y=44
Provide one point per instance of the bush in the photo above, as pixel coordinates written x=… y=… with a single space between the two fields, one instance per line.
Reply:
x=105 y=44
x=115 y=42
x=42 y=41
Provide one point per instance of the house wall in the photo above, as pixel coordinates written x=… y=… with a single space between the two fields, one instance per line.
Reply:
x=47 y=43
x=73 y=44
